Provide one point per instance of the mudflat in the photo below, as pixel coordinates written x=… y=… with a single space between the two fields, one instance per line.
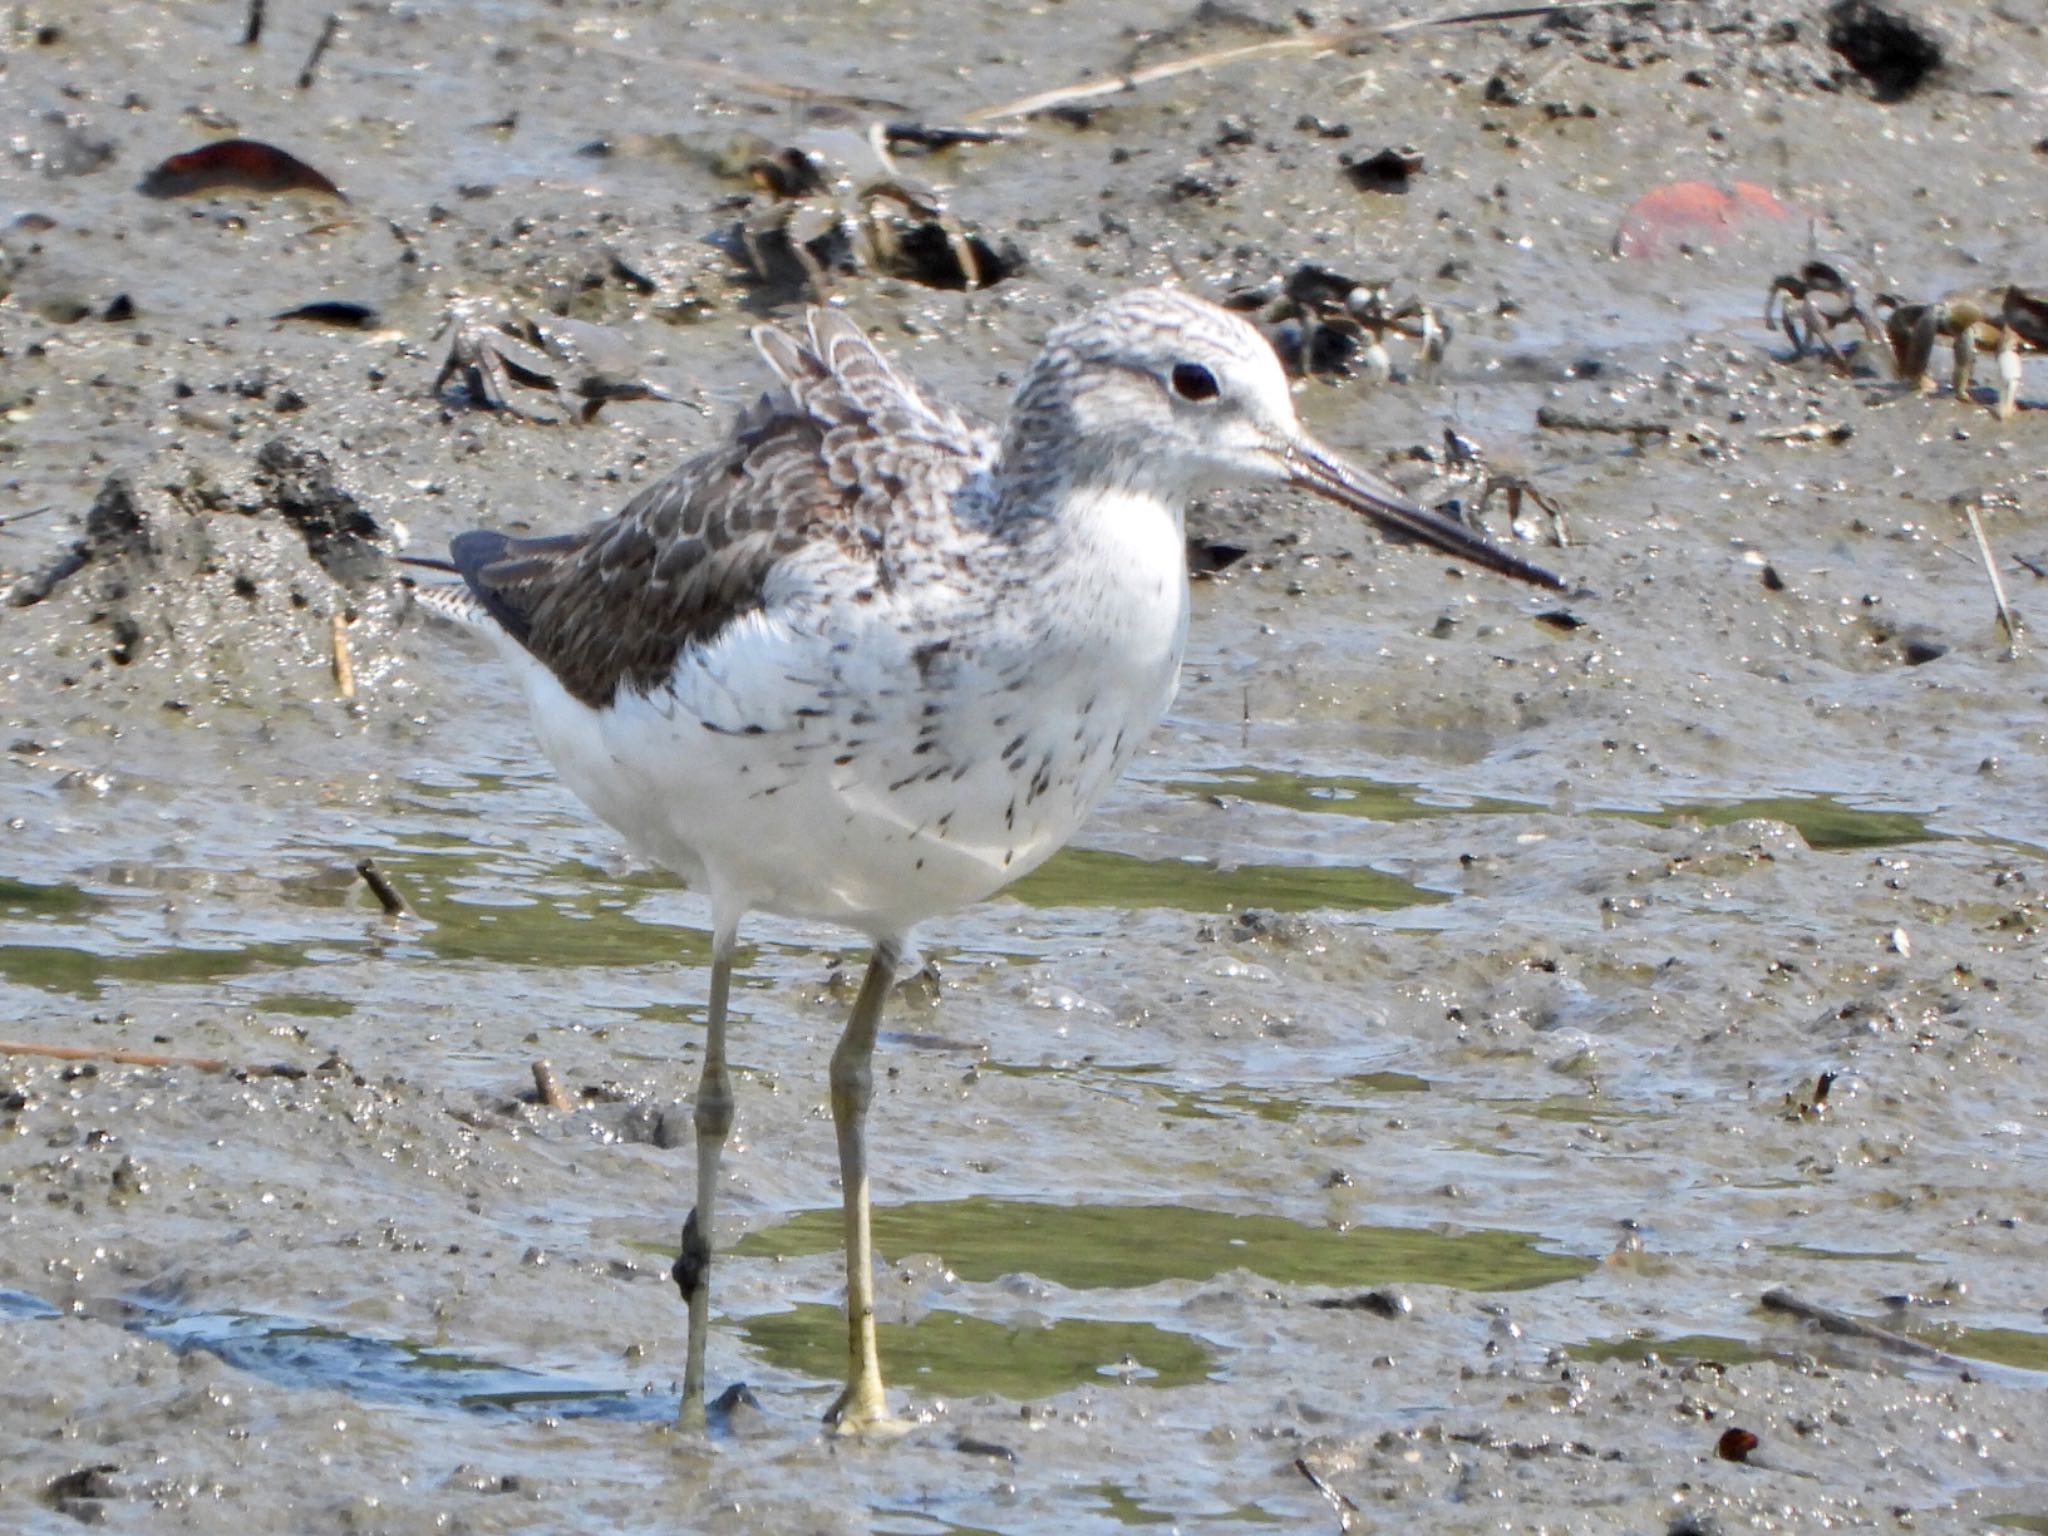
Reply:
x=1496 y=1051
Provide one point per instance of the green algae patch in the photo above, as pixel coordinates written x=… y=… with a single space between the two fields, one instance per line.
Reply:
x=1091 y=877
x=1827 y=823
x=951 y=1354
x=1090 y=1247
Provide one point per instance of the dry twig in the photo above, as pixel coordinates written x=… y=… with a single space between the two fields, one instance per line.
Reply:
x=2005 y=613
x=344 y=668
x=1829 y=1320
x=142 y=1059
x=1324 y=40
x=1347 y=1512
x=1551 y=419
x=756 y=85
x=547 y=1087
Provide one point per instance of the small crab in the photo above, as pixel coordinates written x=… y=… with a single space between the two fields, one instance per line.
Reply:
x=817 y=223
x=1463 y=458
x=1319 y=320
x=2007 y=323
x=496 y=347
x=1809 y=304
x=1372 y=306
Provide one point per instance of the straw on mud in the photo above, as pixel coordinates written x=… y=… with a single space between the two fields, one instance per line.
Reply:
x=1829 y=1320
x=394 y=905
x=1554 y=420
x=1833 y=433
x=2005 y=613
x=1113 y=85
x=758 y=85
x=548 y=1087
x=1326 y=40
x=944 y=135
x=344 y=668
x=142 y=1059
x=1347 y=1512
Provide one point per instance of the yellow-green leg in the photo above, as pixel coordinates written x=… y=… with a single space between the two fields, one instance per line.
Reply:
x=714 y=1122
x=862 y=1408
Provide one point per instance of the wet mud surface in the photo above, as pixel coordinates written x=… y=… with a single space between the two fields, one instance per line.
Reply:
x=1426 y=1064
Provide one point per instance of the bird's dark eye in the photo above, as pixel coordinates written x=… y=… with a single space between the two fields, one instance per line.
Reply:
x=1191 y=381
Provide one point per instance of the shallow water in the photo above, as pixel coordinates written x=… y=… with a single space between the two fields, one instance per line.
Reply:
x=1414 y=1068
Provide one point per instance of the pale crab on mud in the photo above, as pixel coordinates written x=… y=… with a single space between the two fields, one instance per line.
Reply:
x=1321 y=321
x=1463 y=458
x=806 y=225
x=2006 y=323
x=1810 y=304
x=498 y=351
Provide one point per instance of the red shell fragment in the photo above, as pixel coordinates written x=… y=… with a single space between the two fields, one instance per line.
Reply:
x=1683 y=213
x=246 y=164
x=1736 y=1444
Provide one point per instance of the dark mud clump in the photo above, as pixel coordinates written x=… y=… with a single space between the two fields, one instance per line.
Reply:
x=234 y=582
x=339 y=534
x=114 y=528
x=1895 y=53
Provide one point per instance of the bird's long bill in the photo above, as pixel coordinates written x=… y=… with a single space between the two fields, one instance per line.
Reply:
x=1314 y=468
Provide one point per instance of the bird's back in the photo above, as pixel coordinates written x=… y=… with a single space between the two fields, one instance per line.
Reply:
x=845 y=454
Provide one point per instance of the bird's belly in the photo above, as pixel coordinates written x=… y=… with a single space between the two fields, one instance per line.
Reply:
x=884 y=807
x=880 y=768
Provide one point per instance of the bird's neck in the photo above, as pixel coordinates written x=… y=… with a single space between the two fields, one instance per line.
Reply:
x=1110 y=541
x=1051 y=472
x=1102 y=531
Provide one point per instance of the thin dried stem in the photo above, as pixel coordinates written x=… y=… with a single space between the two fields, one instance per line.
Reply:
x=1829 y=1320
x=1348 y=1517
x=344 y=668
x=2005 y=613
x=141 y=1058
x=547 y=1087
x=320 y=46
x=1325 y=40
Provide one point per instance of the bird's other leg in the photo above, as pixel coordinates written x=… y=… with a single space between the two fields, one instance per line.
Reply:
x=862 y=1407
x=714 y=1122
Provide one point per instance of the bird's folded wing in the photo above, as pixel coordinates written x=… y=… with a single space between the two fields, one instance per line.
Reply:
x=845 y=451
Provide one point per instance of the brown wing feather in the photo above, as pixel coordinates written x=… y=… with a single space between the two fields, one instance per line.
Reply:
x=835 y=454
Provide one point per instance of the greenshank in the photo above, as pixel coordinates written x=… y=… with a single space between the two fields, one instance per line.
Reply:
x=869 y=660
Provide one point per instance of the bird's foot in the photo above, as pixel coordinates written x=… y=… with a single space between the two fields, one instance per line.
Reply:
x=864 y=1411
x=690 y=1417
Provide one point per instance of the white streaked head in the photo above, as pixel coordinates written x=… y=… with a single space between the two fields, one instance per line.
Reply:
x=1161 y=392
x=1163 y=387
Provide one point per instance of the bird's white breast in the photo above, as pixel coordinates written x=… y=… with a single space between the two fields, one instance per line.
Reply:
x=874 y=762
